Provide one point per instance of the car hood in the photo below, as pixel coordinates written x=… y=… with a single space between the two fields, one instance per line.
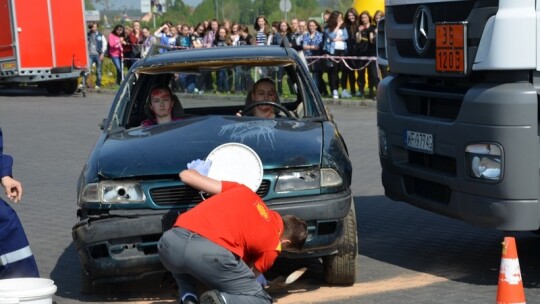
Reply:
x=166 y=149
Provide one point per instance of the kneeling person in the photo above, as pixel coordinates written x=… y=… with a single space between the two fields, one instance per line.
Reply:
x=226 y=241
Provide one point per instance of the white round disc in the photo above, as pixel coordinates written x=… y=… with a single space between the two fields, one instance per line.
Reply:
x=237 y=163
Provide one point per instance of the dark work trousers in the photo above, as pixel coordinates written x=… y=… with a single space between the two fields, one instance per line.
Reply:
x=16 y=259
x=333 y=74
x=190 y=257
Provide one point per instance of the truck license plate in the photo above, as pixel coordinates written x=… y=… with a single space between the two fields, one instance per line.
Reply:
x=451 y=47
x=419 y=141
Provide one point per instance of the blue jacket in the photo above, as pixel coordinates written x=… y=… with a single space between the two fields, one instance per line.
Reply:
x=101 y=42
x=6 y=161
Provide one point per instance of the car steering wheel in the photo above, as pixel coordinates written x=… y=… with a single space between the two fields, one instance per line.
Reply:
x=267 y=103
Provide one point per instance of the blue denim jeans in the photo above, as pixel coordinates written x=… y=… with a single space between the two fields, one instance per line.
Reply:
x=118 y=64
x=91 y=60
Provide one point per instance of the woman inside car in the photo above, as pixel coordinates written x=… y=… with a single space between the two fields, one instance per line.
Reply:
x=160 y=106
x=263 y=90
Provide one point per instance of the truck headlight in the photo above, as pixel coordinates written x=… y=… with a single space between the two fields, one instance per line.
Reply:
x=298 y=180
x=485 y=161
x=383 y=143
x=113 y=193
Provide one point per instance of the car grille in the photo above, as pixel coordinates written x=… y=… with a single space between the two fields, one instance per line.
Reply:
x=184 y=195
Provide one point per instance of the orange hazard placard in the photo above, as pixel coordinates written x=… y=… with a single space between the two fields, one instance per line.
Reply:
x=450 y=43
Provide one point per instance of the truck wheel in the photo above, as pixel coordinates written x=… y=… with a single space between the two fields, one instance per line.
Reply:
x=54 y=88
x=70 y=86
x=340 y=269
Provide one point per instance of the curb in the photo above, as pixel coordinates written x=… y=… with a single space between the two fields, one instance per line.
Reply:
x=348 y=102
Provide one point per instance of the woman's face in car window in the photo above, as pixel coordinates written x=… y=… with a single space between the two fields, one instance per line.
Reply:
x=264 y=91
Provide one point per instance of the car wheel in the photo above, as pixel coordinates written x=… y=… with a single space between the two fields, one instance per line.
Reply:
x=340 y=269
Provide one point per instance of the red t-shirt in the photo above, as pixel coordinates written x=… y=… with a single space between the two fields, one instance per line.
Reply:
x=238 y=220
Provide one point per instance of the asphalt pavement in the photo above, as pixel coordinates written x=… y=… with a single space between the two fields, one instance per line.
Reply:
x=406 y=255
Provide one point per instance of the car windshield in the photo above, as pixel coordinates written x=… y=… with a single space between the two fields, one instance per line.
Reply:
x=232 y=92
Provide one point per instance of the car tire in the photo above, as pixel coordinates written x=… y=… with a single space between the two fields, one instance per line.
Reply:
x=340 y=268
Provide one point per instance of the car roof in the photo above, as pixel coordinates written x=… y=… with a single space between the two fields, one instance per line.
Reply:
x=217 y=58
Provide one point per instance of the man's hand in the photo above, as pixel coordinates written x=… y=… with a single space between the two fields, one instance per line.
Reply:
x=201 y=166
x=262 y=280
x=13 y=188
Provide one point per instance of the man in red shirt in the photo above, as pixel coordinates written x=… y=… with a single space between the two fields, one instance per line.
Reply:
x=226 y=241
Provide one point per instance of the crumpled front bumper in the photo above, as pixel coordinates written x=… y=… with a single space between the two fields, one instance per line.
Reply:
x=123 y=246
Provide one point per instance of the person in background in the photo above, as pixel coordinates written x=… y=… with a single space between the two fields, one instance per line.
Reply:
x=215 y=242
x=97 y=46
x=365 y=42
x=135 y=40
x=312 y=42
x=148 y=41
x=335 y=45
x=222 y=39
x=208 y=41
x=323 y=89
x=348 y=73
x=183 y=40
x=16 y=258
x=116 y=50
x=283 y=32
x=165 y=36
x=376 y=18
x=263 y=30
x=245 y=79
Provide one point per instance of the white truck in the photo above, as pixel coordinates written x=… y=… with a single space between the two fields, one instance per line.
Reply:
x=458 y=117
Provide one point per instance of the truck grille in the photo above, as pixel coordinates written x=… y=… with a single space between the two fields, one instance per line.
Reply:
x=449 y=11
x=399 y=31
x=184 y=195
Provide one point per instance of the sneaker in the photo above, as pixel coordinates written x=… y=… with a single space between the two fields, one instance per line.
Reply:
x=212 y=297
x=359 y=94
x=97 y=88
x=345 y=94
x=335 y=94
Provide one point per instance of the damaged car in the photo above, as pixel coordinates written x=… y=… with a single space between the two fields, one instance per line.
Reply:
x=129 y=191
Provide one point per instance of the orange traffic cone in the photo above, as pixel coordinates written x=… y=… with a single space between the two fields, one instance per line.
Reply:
x=510 y=289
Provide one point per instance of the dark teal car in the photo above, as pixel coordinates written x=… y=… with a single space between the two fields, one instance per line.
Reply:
x=129 y=191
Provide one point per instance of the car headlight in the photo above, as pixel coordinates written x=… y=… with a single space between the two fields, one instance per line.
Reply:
x=298 y=180
x=113 y=193
x=485 y=161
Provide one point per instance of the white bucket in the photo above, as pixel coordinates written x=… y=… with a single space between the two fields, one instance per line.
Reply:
x=27 y=291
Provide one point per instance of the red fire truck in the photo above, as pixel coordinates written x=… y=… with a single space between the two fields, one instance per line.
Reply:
x=42 y=42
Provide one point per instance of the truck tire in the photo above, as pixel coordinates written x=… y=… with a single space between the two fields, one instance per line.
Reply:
x=340 y=269
x=70 y=86
x=54 y=88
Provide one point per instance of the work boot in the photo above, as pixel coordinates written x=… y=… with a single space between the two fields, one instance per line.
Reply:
x=212 y=297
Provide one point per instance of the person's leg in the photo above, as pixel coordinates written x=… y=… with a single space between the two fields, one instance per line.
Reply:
x=171 y=248
x=16 y=258
x=118 y=66
x=220 y=269
x=98 y=71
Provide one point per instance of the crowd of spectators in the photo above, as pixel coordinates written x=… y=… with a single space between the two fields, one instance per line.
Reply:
x=340 y=52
